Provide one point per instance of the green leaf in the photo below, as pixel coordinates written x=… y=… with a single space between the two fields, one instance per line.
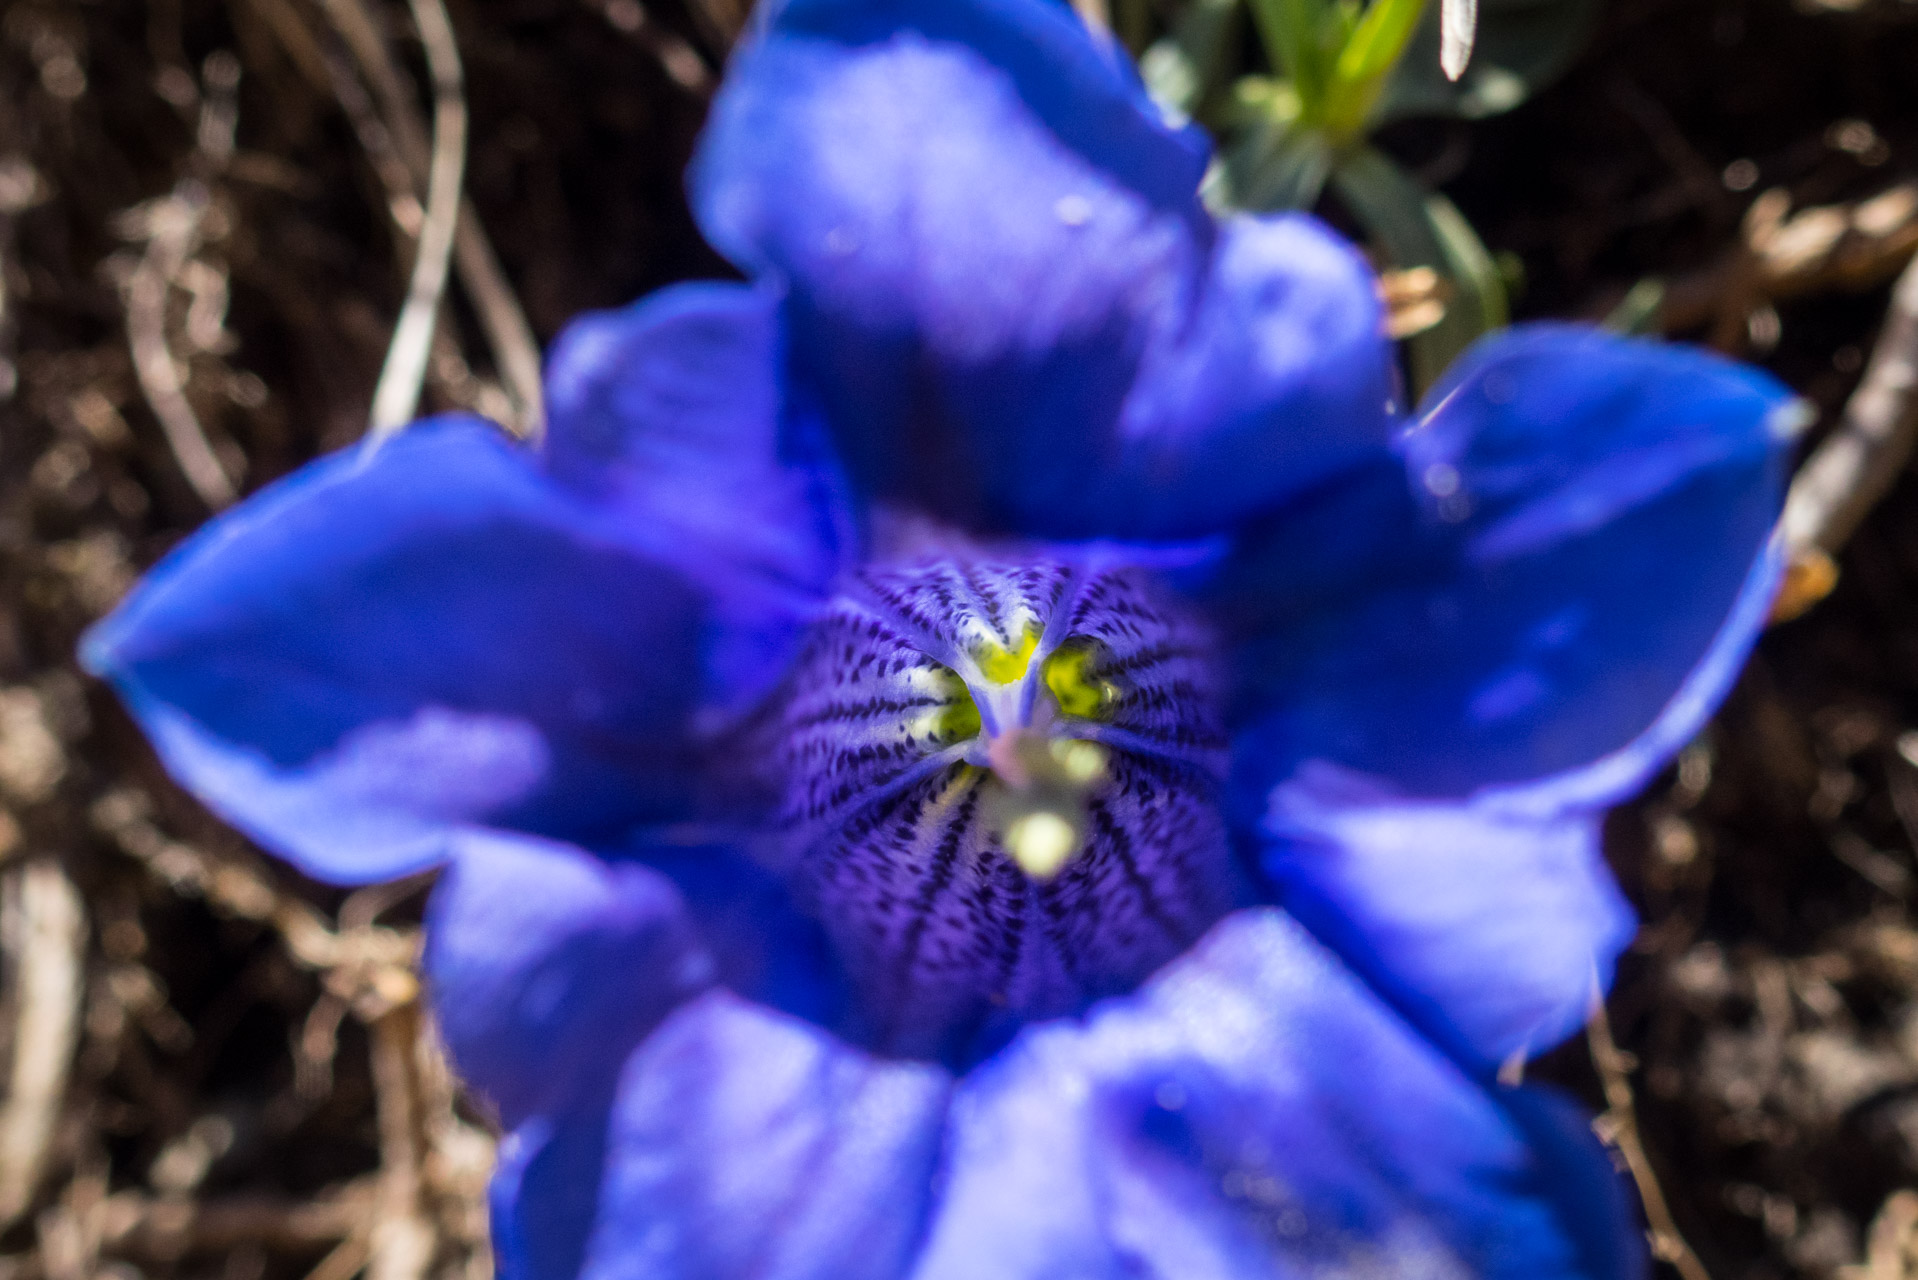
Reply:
x=1379 y=38
x=1259 y=102
x=1364 y=61
x=1294 y=32
x=1637 y=312
x=1418 y=229
x=1464 y=258
x=1289 y=175
x=1273 y=161
x=1521 y=46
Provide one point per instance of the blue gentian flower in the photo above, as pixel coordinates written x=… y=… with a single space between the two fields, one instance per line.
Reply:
x=994 y=748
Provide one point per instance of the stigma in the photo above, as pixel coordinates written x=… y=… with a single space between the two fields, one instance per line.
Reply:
x=1032 y=697
x=1041 y=797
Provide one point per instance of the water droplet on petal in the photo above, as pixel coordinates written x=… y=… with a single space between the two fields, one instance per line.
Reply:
x=1074 y=211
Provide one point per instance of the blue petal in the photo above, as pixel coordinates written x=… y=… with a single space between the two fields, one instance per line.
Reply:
x=543 y=1195
x=381 y=646
x=547 y=965
x=1254 y=1112
x=738 y=1143
x=1568 y=568
x=766 y=948
x=671 y=412
x=1004 y=290
x=1511 y=628
x=451 y=629
x=1485 y=920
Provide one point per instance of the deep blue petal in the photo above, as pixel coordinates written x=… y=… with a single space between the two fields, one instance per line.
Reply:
x=1510 y=628
x=1484 y=920
x=543 y=1195
x=547 y=965
x=671 y=412
x=1255 y=1112
x=1004 y=291
x=1569 y=565
x=451 y=629
x=739 y=1143
x=378 y=647
x=765 y=947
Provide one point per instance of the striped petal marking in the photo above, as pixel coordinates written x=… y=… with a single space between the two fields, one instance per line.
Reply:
x=1000 y=793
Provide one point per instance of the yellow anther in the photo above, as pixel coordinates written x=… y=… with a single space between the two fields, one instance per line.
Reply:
x=1041 y=843
x=954 y=722
x=1006 y=666
x=957 y=719
x=1068 y=673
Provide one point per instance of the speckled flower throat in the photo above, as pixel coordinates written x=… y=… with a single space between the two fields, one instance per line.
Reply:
x=999 y=788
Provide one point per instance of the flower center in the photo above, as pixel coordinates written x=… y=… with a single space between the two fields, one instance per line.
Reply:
x=999 y=788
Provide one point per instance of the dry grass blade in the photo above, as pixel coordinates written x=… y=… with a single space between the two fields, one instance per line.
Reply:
x=1891 y=1252
x=1858 y=462
x=1782 y=255
x=20 y=189
x=171 y=228
x=371 y=961
x=1619 y=1128
x=678 y=59
x=403 y=1237
x=169 y=1227
x=398 y=392
x=153 y=361
x=1854 y=466
x=425 y=1211
x=500 y=315
x=1094 y=13
x=47 y=942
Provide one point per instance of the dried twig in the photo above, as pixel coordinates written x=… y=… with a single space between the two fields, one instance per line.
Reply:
x=460 y=1157
x=1865 y=452
x=500 y=315
x=403 y=1236
x=719 y=22
x=382 y=152
x=676 y=57
x=1891 y=1251
x=175 y=227
x=433 y=1166
x=47 y=952
x=20 y=189
x=345 y=1262
x=373 y=964
x=171 y=228
x=1858 y=462
x=168 y=1227
x=296 y=40
x=1094 y=14
x=1782 y=255
x=398 y=392
x=70 y=1229
x=1619 y=1128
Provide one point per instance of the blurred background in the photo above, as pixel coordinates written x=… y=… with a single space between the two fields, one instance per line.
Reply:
x=209 y=214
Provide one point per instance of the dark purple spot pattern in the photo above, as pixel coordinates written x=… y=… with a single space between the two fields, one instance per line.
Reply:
x=893 y=816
